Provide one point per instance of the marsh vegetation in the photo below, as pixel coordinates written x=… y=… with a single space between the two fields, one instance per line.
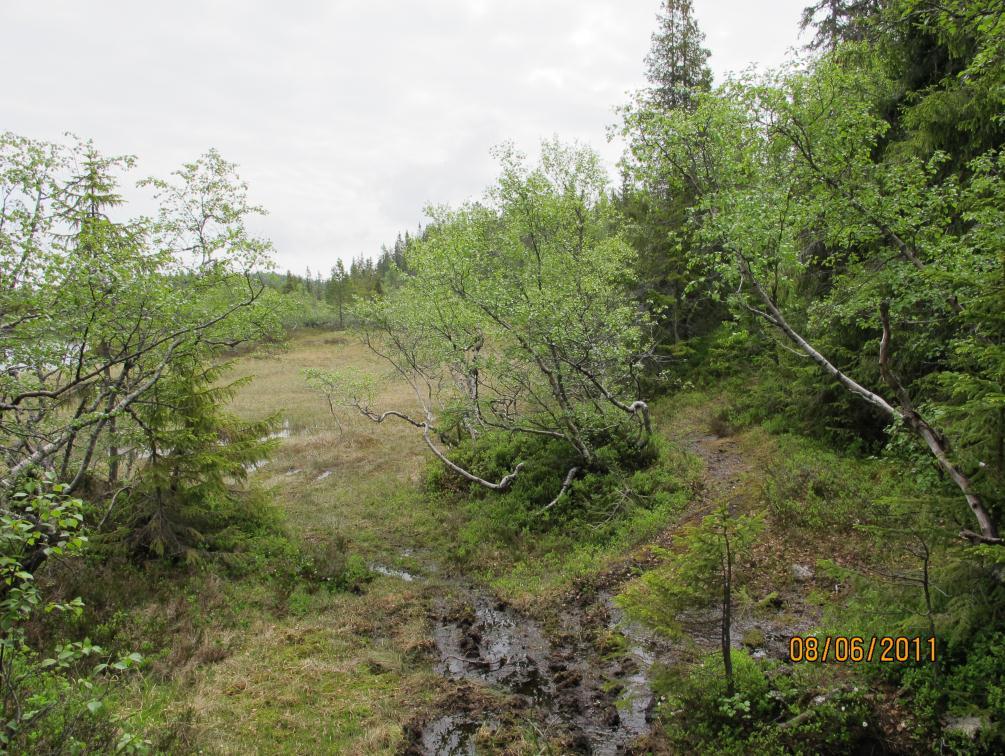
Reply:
x=564 y=472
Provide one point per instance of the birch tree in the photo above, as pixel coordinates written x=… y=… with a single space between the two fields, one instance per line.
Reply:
x=788 y=168
x=516 y=318
x=96 y=308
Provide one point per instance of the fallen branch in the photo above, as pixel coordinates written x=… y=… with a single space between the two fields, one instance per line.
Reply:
x=969 y=535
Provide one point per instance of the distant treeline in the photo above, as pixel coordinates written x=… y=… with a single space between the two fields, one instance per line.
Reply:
x=319 y=300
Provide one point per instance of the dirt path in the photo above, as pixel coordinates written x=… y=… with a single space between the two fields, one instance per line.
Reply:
x=580 y=676
x=782 y=610
x=724 y=463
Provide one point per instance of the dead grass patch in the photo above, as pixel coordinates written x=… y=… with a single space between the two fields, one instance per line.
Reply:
x=344 y=673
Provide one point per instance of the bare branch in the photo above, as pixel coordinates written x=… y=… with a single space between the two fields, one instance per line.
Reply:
x=502 y=485
x=569 y=477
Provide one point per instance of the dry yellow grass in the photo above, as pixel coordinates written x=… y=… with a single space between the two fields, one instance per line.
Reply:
x=369 y=471
x=323 y=684
x=339 y=674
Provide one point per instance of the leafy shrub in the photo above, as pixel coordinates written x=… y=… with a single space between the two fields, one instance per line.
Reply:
x=928 y=584
x=630 y=494
x=771 y=388
x=728 y=351
x=625 y=480
x=316 y=559
x=327 y=560
x=546 y=460
x=769 y=713
x=49 y=703
x=970 y=682
x=809 y=486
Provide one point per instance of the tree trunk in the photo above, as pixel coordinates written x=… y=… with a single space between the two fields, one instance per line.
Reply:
x=906 y=412
x=113 y=454
x=727 y=614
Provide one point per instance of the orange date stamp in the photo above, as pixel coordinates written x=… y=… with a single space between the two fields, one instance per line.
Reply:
x=843 y=649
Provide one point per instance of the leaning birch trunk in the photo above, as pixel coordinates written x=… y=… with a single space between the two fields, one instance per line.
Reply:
x=905 y=412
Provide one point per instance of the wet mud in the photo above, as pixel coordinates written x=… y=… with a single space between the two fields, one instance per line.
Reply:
x=584 y=685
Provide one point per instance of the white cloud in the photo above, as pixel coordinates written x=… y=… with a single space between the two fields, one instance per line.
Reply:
x=346 y=117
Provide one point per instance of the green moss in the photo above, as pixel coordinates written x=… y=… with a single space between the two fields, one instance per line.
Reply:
x=772 y=601
x=754 y=638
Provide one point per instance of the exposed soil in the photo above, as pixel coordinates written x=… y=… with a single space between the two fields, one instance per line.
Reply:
x=565 y=684
x=580 y=676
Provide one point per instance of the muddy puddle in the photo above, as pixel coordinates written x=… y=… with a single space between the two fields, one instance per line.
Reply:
x=485 y=641
x=452 y=735
x=593 y=703
x=283 y=432
x=382 y=569
x=644 y=649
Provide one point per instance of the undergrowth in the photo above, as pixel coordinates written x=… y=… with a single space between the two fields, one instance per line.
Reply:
x=766 y=715
x=522 y=540
x=881 y=530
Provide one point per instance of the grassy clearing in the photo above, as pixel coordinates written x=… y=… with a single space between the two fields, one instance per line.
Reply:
x=244 y=657
x=371 y=492
x=245 y=660
x=248 y=661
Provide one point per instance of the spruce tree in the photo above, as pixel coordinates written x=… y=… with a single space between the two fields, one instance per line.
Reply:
x=677 y=70
x=677 y=63
x=837 y=21
x=189 y=488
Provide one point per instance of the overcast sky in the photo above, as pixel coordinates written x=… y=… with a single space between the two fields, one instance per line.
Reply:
x=347 y=116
